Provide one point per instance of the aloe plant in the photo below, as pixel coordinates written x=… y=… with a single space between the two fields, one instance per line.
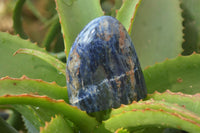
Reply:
x=33 y=84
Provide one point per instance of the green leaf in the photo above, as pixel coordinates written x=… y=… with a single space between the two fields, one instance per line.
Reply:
x=190 y=102
x=26 y=85
x=33 y=67
x=137 y=119
x=159 y=105
x=57 y=106
x=17 y=20
x=34 y=117
x=74 y=15
x=15 y=120
x=5 y=127
x=157 y=31
x=185 y=101
x=178 y=75
x=127 y=12
x=16 y=66
x=192 y=26
x=51 y=34
x=31 y=119
x=56 y=125
x=60 y=66
x=31 y=125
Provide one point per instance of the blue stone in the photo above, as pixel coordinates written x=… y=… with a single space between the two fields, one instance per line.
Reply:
x=103 y=70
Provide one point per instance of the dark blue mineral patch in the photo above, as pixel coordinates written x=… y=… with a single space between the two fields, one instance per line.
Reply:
x=103 y=70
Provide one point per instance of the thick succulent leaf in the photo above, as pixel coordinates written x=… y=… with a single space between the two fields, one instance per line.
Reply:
x=31 y=119
x=178 y=75
x=46 y=57
x=127 y=13
x=34 y=117
x=161 y=105
x=17 y=20
x=74 y=15
x=57 y=106
x=192 y=25
x=25 y=85
x=190 y=102
x=14 y=119
x=56 y=125
x=16 y=66
x=136 y=119
x=51 y=34
x=158 y=105
x=157 y=31
x=33 y=67
x=30 y=126
x=6 y=128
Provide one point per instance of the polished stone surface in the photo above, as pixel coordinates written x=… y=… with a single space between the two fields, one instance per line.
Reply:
x=103 y=70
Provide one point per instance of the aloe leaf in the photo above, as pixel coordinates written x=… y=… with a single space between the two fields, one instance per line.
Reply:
x=46 y=57
x=51 y=34
x=56 y=125
x=74 y=15
x=57 y=106
x=178 y=75
x=127 y=12
x=29 y=126
x=17 y=22
x=158 y=105
x=190 y=32
x=25 y=85
x=162 y=105
x=137 y=119
x=15 y=119
x=34 y=117
x=5 y=127
x=192 y=26
x=30 y=117
x=33 y=67
x=157 y=31
x=190 y=102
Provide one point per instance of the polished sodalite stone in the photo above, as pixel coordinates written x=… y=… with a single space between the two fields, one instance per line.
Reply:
x=103 y=70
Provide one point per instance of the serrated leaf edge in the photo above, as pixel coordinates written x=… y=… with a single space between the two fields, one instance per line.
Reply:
x=24 y=77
